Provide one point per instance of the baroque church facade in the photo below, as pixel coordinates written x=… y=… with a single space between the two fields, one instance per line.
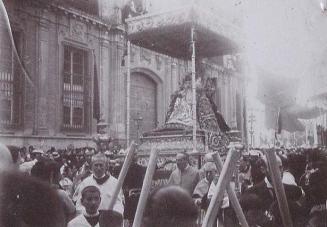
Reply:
x=63 y=46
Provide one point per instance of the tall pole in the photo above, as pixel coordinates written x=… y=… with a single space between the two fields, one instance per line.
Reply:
x=128 y=92
x=279 y=188
x=252 y=120
x=193 y=89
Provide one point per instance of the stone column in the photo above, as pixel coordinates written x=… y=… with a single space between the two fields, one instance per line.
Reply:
x=42 y=85
x=174 y=75
x=104 y=77
x=118 y=106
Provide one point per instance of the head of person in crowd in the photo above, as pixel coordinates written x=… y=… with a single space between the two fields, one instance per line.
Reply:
x=56 y=156
x=266 y=166
x=170 y=206
x=15 y=154
x=317 y=159
x=47 y=170
x=258 y=170
x=23 y=154
x=80 y=157
x=30 y=149
x=66 y=171
x=28 y=202
x=37 y=154
x=210 y=171
x=88 y=155
x=91 y=198
x=182 y=160
x=99 y=165
x=6 y=159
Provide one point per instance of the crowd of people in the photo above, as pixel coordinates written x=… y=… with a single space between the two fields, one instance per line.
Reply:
x=74 y=187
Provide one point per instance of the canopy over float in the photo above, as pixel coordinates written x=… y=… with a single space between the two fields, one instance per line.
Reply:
x=190 y=33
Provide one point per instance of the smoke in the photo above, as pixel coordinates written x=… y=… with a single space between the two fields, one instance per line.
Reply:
x=288 y=39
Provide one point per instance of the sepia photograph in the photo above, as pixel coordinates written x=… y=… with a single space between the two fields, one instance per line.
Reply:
x=163 y=113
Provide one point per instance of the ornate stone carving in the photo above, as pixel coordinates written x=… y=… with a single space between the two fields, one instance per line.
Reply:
x=186 y=15
x=158 y=62
x=63 y=31
x=156 y=21
x=78 y=30
x=146 y=55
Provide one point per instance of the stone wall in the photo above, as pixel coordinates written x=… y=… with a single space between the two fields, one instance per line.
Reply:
x=45 y=30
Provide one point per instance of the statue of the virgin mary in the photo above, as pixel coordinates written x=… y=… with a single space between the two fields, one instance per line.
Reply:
x=181 y=105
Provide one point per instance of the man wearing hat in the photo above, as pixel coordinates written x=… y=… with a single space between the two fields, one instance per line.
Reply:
x=104 y=181
x=27 y=166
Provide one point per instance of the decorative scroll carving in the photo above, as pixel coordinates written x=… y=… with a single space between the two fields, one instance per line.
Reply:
x=78 y=30
x=146 y=55
x=187 y=15
x=63 y=31
x=157 y=21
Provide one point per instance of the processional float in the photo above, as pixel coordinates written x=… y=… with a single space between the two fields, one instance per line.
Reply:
x=190 y=33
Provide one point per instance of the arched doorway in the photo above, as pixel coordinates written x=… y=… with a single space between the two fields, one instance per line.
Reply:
x=143 y=105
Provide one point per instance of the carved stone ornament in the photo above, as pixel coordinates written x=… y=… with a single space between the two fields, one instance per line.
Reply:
x=63 y=31
x=157 y=21
x=78 y=30
x=191 y=14
x=158 y=62
x=146 y=55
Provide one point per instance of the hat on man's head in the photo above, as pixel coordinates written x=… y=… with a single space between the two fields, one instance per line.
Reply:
x=88 y=152
x=38 y=151
x=107 y=153
x=55 y=155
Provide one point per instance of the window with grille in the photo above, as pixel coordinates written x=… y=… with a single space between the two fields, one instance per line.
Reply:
x=10 y=81
x=75 y=68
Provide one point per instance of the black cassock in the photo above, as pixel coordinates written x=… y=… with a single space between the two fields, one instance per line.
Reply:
x=132 y=188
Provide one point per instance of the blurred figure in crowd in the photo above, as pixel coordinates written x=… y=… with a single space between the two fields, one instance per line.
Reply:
x=6 y=160
x=15 y=154
x=132 y=187
x=259 y=201
x=35 y=156
x=28 y=202
x=48 y=171
x=170 y=206
x=184 y=175
x=200 y=193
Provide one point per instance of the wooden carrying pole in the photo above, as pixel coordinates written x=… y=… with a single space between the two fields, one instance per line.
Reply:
x=146 y=187
x=224 y=179
x=193 y=90
x=128 y=90
x=122 y=175
x=278 y=188
x=231 y=193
